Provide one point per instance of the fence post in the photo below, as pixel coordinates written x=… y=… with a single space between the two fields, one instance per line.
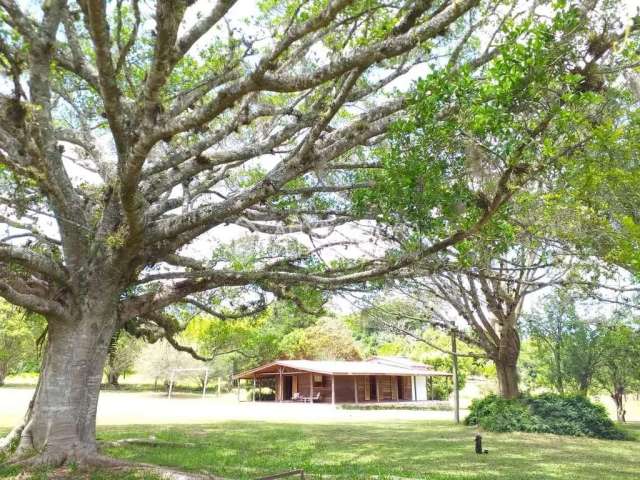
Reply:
x=206 y=380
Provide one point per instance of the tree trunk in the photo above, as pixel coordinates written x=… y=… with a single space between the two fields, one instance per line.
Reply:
x=506 y=363
x=618 y=398
x=507 y=380
x=113 y=378
x=559 y=380
x=3 y=374
x=584 y=384
x=61 y=423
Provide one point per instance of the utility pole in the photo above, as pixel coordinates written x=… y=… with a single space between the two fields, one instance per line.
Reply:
x=456 y=392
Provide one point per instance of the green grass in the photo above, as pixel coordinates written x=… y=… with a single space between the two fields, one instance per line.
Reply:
x=425 y=450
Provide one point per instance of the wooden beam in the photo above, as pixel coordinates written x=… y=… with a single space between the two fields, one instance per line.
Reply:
x=311 y=387
x=355 y=388
x=333 y=389
x=394 y=388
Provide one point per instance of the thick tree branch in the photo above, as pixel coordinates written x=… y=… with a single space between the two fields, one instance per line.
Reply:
x=34 y=262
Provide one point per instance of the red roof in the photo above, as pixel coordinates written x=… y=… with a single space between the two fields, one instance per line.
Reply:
x=394 y=366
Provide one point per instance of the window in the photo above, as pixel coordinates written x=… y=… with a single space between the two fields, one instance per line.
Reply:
x=318 y=380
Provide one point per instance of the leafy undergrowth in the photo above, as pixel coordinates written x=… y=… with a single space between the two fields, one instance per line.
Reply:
x=426 y=450
x=547 y=413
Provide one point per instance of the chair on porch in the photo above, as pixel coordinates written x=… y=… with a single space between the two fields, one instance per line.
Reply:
x=316 y=398
x=297 y=397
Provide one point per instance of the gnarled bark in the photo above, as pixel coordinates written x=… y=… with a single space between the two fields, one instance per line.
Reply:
x=506 y=363
x=507 y=380
x=61 y=424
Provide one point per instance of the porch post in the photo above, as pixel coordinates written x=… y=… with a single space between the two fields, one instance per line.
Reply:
x=377 y=388
x=355 y=388
x=311 y=387
x=333 y=389
x=254 y=388
x=281 y=385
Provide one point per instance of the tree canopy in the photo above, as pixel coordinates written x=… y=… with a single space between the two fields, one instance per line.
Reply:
x=169 y=157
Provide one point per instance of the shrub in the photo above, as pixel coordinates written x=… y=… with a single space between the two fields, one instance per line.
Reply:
x=547 y=413
x=499 y=415
x=440 y=406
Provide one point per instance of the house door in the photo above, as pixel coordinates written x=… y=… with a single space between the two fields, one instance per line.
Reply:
x=400 y=388
x=288 y=387
x=373 y=388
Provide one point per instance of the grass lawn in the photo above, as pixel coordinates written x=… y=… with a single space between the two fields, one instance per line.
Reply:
x=426 y=450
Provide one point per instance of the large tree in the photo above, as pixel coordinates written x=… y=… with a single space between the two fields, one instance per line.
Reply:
x=619 y=372
x=482 y=301
x=131 y=132
x=553 y=102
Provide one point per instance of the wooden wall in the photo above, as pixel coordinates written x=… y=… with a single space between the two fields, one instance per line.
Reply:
x=345 y=392
x=388 y=388
x=406 y=386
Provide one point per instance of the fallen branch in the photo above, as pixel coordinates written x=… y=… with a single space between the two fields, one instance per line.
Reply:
x=163 y=472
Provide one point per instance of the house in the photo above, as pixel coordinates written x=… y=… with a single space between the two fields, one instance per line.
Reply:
x=379 y=379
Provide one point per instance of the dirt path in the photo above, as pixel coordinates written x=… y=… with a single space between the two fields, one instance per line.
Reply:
x=127 y=408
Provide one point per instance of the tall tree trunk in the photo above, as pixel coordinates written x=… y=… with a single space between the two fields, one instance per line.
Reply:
x=559 y=380
x=618 y=398
x=506 y=363
x=507 y=380
x=61 y=423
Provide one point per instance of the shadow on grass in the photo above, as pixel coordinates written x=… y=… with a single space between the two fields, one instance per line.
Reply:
x=431 y=450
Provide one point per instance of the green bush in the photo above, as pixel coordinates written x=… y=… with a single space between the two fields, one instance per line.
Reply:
x=548 y=413
x=440 y=406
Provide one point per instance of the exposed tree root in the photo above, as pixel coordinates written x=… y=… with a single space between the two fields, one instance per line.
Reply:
x=148 y=442
x=25 y=445
x=12 y=437
x=88 y=463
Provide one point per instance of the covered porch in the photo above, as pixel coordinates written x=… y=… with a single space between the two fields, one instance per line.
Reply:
x=337 y=382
